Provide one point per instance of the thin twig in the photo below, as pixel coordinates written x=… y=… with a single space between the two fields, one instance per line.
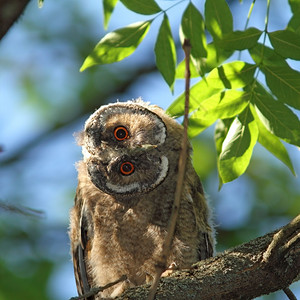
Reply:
x=95 y=291
x=22 y=210
x=280 y=237
x=289 y=294
x=162 y=264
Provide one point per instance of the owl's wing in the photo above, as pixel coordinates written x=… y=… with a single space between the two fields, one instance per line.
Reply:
x=80 y=253
x=205 y=231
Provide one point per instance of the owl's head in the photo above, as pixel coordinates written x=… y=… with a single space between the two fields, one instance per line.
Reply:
x=124 y=147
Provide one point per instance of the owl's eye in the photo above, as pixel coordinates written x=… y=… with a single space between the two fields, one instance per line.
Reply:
x=127 y=168
x=121 y=133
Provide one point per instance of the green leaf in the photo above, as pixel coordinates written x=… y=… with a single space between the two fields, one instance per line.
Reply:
x=218 y=18
x=278 y=118
x=220 y=106
x=237 y=147
x=295 y=6
x=40 y=3
x=198 y=92
x=240 y=40
x=232 y=75
x=117 y=45
x=294 y=23
x=286 y=43
x=267 y=56
x=284 y=82
x=144 y=7
x=221 y=130
x=108 y=7
x=165 y=52
x=272 y=143
x=215 y=57
x=192 y=28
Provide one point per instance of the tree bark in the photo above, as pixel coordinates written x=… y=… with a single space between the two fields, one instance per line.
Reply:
x=261 y=266
x=10 y=11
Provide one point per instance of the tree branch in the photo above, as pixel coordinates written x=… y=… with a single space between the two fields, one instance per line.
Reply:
x=166 y=249
x=239 y=273
x=10 y=11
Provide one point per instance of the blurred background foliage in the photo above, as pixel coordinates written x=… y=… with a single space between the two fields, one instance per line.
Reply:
x=44 y=100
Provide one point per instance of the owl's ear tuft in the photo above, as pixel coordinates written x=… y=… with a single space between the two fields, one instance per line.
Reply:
x=79 y=137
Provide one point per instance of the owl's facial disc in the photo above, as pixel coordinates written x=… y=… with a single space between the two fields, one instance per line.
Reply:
x=124 y=148
x=129 y=175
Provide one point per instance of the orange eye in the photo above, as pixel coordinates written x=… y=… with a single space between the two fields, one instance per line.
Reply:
x=121 y=133
x=127 y=168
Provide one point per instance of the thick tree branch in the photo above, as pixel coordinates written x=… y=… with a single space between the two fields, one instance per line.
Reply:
x=10 y=11
x=239 y=273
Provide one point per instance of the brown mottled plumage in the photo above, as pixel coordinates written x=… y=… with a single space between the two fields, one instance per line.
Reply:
x=126 y=186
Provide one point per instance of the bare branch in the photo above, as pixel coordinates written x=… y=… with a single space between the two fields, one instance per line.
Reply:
x=162 y=264
x=22 y=210
x=10 y=11
x=289 y=294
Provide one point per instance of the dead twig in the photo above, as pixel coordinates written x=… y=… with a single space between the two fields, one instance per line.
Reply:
x=162 y=264
x=289 y=294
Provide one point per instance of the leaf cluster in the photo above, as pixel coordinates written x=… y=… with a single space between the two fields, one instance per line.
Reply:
x=229 y=94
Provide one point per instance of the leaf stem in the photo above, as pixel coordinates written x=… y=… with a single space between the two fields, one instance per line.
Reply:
x=247 y=22
x=249 y=14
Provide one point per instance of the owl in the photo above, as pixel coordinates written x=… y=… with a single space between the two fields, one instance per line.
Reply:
x=126 y=186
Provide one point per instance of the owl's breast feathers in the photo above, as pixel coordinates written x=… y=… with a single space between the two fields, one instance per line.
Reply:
x=110 y=239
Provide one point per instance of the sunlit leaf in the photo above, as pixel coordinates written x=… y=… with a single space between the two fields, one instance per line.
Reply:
x=144 y=7
x=284 y=82
x=272 y=143
x=117 y=45
x=40 y=3
x=286 y=43
x=108 y=7
x=240 y=40
x=221 y=130
x=278 y=118
x=198 y=92
x=223 y=105
x=267 y=56
x=232 y=75
x=238 y=146
x=215 y=57
x=165 y=52
x=218 y=18
x=192 y=28
x=213 y=60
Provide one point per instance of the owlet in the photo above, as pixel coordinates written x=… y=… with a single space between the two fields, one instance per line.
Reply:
x=126 y=186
